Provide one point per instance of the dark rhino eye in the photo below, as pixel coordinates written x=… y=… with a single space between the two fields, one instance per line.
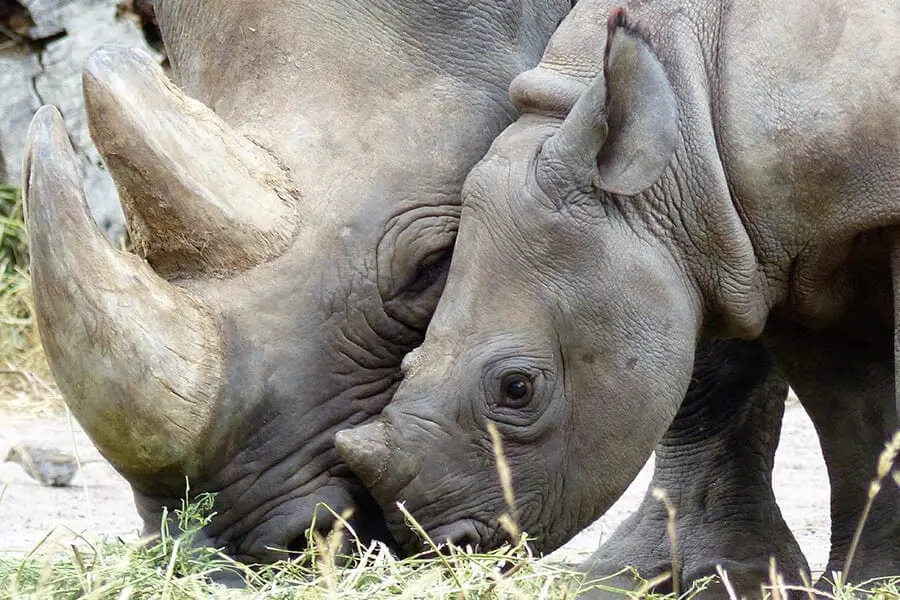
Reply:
x=430 y=271
x=516 y=390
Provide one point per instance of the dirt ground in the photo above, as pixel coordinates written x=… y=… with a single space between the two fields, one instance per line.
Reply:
x=99 y=501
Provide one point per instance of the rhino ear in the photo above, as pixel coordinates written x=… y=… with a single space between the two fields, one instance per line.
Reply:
x=641 y=114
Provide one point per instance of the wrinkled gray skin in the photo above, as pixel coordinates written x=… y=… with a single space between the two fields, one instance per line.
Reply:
x=297 y=226
x=729 y=175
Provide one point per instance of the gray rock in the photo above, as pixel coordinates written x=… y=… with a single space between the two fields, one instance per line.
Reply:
x=47 y=17
x=18 y=102
x=44 y=67
x=48 y=466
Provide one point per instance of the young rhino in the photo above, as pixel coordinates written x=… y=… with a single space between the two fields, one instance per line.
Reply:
x=728 y=174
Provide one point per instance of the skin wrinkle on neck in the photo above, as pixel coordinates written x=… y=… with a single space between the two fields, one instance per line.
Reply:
x=706 y=171
x=705 y=167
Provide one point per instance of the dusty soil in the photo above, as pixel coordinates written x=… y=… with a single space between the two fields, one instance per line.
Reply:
x=99 y=501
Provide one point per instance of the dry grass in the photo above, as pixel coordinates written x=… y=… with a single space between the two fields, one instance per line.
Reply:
x=171 y=568
x=25 y=380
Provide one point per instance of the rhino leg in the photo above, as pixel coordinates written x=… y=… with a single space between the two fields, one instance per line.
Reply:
x=847 y=389
x=895 y=281
x=715 y=463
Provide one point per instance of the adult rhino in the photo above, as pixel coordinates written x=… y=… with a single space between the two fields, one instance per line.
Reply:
x=294 y=205
x=728 y=175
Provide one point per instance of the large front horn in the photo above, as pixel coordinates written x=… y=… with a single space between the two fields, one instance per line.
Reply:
x=199 y=197
x=139 y=361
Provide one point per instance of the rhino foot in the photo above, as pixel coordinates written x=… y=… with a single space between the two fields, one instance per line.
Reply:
x=715 y=464
x=744 y=580
x=743 y=556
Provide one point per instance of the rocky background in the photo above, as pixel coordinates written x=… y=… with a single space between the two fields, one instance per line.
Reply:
x=43 y=44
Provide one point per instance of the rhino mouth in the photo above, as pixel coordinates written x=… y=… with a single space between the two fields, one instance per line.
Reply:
x=360 y=529
x=286 y=531
x=464 y=534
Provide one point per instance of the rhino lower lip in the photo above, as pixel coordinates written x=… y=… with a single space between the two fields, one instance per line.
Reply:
x=363 y=532
x=462 y=534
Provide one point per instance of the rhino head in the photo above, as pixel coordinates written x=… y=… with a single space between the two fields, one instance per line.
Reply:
x=293 y=206
x=569 y=321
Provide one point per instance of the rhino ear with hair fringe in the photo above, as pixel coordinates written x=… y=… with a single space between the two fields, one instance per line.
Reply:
x=624 y=127
x=641 y=112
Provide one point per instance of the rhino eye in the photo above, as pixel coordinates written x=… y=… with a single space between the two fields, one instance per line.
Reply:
x=516 y=390
x=430 y=271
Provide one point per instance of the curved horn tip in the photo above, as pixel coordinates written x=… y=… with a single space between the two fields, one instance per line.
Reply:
x=46 y=119
x=50 y=171
x=47 y=133
x=109 y=61
x=102 y=55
